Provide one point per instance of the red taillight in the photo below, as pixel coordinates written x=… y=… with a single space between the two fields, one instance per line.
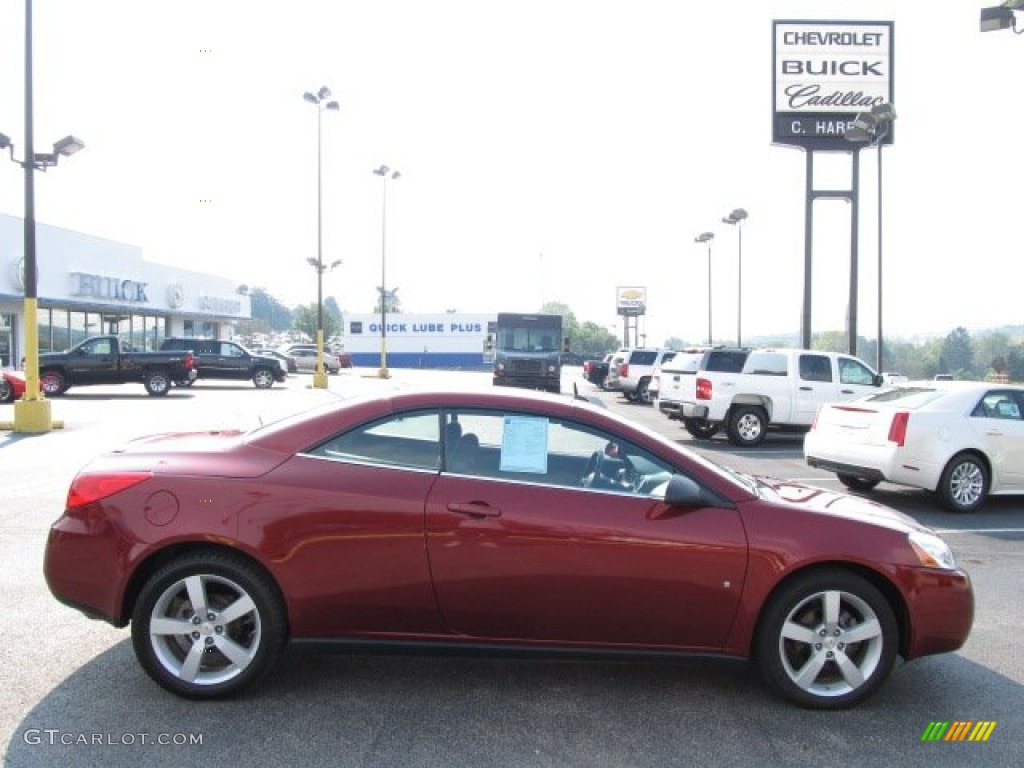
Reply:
x=703 y=389
x=87 y=488
x=624 y=370
x=898 y=428
x=189 y=361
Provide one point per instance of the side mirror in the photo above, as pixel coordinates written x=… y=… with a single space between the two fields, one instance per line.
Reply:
x=878 y=380
x=684 y=492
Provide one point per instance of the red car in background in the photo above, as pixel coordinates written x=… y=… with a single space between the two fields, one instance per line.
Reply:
x=495 y=520
x=12 y=386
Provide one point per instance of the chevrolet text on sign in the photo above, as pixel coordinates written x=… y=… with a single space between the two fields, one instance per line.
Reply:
x=824 y=74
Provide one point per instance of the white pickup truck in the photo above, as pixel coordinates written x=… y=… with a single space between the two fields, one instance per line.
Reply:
x=779 y=388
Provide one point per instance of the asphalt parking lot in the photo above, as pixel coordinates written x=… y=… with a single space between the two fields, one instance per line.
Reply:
x=74 y=695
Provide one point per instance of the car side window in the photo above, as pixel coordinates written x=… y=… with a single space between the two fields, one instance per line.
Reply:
x=97 y=347
x=999 y=404
x=815 y=368
x=724 y=361
x=766 y=364
x=409 y=439
x=529 y=448
x=854 y=372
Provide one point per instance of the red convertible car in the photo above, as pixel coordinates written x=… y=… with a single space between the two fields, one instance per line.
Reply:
x=12 y=386
x=493 y=520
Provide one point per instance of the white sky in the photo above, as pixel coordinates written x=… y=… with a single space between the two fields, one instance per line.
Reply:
x=603 y=135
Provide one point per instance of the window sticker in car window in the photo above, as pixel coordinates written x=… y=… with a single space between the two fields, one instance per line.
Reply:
x=524 y=444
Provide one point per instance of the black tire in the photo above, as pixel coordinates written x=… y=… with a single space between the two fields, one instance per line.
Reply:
x=701 y=429
x=826 y=640
x=963 y=486
x=747 y=425
x=630 y=396
x=6 y=391
x=263 y=378
x=856 y=483
x=643 y=391
x=157 y=383
x=53 y=383
x=221 y=580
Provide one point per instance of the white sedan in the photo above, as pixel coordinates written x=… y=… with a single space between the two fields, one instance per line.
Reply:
x=305 y=360
x=962 y=439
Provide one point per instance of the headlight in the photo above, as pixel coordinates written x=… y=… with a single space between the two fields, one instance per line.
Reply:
x=931 y=550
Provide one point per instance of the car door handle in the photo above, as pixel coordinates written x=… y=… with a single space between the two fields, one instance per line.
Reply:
x=806 y=389
x=477 y=509
x=993 y=433
x=848 y=392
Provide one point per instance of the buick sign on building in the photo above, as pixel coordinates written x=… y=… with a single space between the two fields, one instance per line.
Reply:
x=825 y=72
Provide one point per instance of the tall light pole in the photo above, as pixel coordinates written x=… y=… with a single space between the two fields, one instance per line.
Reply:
x=736 y=217
x=319 y=100
x=385 y=173
x=873 y=127
x=32 y=412
x=707 y=237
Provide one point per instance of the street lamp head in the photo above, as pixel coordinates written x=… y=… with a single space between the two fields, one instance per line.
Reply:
x=884 y=112
x=998 y=17
x=332 y=105
x=382 y=171
x=335 y=263
x=396 y=175
x=704 y=237
x=311 y=98
x=5 y=141
x=68 y=146
x=324 y=92
x=873 y=125
x=858 y=132
x=315 y=263
x=735 y=217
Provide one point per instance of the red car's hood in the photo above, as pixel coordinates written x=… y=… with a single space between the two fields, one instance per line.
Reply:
x=216 y=453
x=836 y=504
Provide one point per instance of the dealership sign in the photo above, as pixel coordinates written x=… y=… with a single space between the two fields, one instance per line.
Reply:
x=631 y=301
x=825 y=72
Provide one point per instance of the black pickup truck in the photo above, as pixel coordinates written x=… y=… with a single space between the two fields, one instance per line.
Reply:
x=596 y=371
x=108 y=360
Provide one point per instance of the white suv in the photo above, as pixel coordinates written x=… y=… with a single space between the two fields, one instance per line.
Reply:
x=631 y=369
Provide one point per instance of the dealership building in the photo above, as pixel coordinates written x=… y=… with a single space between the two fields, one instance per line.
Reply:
x=88 y=286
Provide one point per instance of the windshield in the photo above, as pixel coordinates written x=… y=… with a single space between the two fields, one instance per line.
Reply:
x=729 y=474
x=531 y=339
x=906 y=397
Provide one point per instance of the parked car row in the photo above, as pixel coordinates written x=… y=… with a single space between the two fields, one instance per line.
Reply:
x=962 y=440
x=181 y=361
x=631 y=371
